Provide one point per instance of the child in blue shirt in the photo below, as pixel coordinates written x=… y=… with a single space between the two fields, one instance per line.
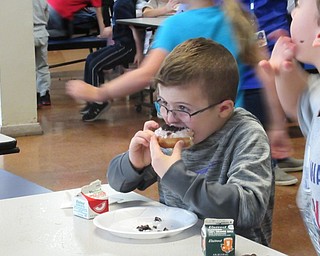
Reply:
x=224 y=23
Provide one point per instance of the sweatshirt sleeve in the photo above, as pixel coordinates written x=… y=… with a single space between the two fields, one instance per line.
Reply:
x=124 y=178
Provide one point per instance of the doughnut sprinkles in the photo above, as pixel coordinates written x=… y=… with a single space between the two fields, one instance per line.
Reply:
x=169 y=135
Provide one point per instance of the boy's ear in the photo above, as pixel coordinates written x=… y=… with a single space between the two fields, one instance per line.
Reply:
x=225 y=108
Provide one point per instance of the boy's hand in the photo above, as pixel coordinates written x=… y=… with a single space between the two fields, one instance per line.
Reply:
x=276 y=34
x=80 y=90
x=139 y=148
x=280 y=143
x=266 y=72
x=106 y=33
x=171 y=5
x=281 y=61
x=161 y=162
x=138 y=58
x=283 y=55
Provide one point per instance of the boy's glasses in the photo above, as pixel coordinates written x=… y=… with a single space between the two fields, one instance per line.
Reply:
x=182 y=115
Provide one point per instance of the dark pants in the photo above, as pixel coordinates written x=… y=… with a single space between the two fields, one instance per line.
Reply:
x=254 y=102
x=83 y=22
x=107 y=11
x=107 y=58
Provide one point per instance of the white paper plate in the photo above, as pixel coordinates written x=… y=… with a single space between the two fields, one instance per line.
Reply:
x=124 y=222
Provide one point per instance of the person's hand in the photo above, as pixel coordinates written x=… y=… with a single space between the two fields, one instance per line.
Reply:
x=280 y=143
x=161 y=162
x=171 y=5
x=80 y=90
x=283 y=55
x=139 y=148
x=266 y=72
x=281 y=60
x=276 y=34
x=106 y=32
x=138 y=58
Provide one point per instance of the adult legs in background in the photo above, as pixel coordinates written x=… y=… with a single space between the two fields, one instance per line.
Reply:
x=43 y=79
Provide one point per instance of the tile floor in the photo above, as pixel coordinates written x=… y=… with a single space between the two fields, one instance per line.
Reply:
x=72 y=153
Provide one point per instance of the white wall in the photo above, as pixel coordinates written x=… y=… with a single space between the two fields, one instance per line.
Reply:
x=18 y=109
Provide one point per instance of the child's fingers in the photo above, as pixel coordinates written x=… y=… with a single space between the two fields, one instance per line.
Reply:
x=287 y=66
x=154 y=147
x=275 y=35
x=176 y=153
x=265 y=65
x=150 y=125
x=265 y=68
x=266 y=73
x=143 y=138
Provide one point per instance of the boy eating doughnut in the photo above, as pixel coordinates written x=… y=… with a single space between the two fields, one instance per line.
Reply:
x=227 y=172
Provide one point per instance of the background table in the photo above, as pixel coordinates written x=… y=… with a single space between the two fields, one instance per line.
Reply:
x=36 y=225
x=12 y=185
x=143 y=22
x=146 y=24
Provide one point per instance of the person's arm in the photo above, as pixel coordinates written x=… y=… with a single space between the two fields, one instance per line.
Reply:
x=139 y=44
x=124 y=178
x=126 y=84
x=277 y=130
x=155 y=12
x=277 y=124
x=290 y=84
x=284 y=77
x=105 y=32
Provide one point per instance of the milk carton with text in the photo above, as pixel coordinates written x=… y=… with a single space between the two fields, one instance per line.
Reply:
x=91 y=201
x=217 y=237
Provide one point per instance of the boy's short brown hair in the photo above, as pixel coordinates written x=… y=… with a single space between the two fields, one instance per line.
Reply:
x=204 y=63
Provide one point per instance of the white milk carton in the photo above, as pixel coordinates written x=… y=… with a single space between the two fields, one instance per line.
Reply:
x=218 y=237
x=91 y=201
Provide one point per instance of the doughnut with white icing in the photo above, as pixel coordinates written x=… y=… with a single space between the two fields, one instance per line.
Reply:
x=169 y=135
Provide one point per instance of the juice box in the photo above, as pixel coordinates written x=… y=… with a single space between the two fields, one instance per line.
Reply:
x=91 y=201
x=217 y=237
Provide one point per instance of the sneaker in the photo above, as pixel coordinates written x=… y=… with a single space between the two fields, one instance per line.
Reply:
x=39 y=105
x=290 y=164
x=95 y=111
x=45 y=100
x=85 y=109
x=284 y=179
